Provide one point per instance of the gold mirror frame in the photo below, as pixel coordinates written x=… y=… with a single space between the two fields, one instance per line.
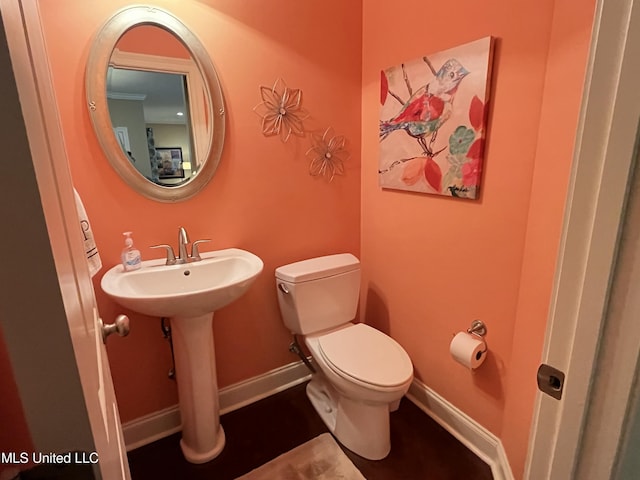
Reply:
x=96 y=86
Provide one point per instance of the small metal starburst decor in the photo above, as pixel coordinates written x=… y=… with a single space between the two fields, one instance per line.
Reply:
x=281 y=111
x=328 y=155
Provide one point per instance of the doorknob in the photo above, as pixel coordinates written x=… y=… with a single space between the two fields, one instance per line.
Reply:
x=120 y=326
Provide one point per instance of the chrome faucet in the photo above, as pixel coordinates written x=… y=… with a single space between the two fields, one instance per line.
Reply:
x=183 y=241
x=183 y=256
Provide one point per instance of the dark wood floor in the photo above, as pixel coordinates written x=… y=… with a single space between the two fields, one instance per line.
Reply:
x=420 y=448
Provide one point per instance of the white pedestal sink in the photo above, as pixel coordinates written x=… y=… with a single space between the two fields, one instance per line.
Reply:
x=188 y=294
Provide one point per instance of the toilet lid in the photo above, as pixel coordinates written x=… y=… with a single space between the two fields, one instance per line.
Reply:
x=367 y=354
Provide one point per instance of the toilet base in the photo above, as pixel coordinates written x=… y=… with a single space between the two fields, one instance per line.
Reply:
x=361 y=427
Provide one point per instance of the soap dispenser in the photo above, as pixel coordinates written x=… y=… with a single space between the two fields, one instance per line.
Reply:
x=131 y=259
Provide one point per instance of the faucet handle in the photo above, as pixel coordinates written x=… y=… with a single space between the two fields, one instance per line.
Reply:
x=195 y=253
x=171 y=257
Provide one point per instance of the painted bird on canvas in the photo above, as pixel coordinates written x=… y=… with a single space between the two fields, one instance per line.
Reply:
x=429 y=107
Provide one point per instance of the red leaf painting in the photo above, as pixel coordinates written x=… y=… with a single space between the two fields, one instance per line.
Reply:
x=476 y=113
x=476 y=149
x=384 y=87
x=433 y=174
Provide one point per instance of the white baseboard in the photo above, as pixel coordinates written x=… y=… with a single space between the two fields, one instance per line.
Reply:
x=244 y=393
x=152 y=427
x=160 y=424
x=469 y=432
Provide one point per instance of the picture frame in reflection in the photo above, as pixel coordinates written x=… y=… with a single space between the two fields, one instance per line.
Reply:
x=170 y=160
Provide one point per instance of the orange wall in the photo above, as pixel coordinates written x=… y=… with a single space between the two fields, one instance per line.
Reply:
x=261 y=199
x=434 y=264
x=151 y=40
x=566 y=64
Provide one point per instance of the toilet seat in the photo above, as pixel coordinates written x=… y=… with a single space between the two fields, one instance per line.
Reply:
x=366 y=355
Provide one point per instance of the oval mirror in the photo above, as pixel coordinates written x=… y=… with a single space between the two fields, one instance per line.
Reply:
x=155 y=103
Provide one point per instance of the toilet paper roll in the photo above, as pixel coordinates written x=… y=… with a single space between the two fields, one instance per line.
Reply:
x=468 y=350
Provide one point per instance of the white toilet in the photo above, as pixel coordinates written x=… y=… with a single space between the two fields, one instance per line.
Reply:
x=362 y=372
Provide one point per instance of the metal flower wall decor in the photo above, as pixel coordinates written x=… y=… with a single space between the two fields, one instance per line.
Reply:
x=328 y=155
x=281 y=111
x=282 y=114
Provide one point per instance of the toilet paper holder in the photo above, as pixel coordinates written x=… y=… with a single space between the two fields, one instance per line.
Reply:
x=477 y=328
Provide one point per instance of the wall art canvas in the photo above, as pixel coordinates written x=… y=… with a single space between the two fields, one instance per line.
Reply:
x=433 y=121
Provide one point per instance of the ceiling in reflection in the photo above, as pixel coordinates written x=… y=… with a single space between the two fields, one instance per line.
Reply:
x=162 y=94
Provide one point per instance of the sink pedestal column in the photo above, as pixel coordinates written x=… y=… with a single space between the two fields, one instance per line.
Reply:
x=202 y=435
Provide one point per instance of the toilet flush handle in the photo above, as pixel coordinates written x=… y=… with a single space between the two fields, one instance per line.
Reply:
x=283 y=288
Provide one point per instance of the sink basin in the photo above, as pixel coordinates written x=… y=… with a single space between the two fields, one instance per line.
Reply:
x=186 y=290
x=188 y=295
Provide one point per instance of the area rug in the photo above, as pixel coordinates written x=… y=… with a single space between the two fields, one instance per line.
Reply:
x=317 y=459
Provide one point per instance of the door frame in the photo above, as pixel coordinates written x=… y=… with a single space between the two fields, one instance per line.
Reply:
x=603 y=163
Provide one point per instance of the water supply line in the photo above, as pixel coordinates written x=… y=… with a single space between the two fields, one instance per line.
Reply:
x=294 y=347
x=166 y=332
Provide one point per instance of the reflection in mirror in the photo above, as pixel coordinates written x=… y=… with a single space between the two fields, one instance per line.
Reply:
x=147 y=95
x=155 y=103
x=149 y=109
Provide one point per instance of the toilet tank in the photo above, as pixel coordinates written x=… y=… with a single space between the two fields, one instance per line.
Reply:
x=319 y=293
